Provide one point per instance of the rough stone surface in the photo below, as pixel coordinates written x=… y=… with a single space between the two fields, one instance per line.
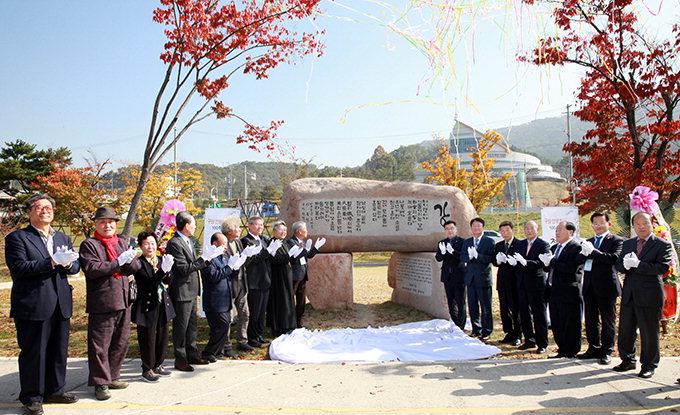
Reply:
x=357 y=215
x=415 y=280
x=330 y=285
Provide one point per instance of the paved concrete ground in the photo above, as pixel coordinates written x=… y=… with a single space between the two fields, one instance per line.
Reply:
x=456 y=387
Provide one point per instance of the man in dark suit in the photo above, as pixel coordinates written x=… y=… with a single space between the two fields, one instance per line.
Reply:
x=453 y=273
x=299 y=266
x=39 y=260
x=506 y=285
x=565 y=274
x=258 y=275
x=184 y=290
x=644 y=259
x=531 y=282
x=601 y=286
x=477 y=255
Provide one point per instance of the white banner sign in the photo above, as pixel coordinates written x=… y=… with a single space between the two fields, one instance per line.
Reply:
x=213 y=221
x=552 y=216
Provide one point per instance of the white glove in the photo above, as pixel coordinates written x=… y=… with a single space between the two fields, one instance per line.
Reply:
x=501 y=258
x=251 y=250
x=546 y=258
x=64 y=256
x=449 y=248
x=520 y=259
x=631 y=261
x=319 y=243
x=212 y=251
x=308 y=244
x=472 y=252
x=294 y=251
x=166 y=263
x=126 y=257
x=442 y=248
x=239 y=262
x=587 y=248
x=274 y=246
x=512 y=261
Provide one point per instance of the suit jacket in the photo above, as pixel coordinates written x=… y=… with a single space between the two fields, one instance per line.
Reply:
x=185 y=283
x=506 y=276
x=567 y=273
x=37 y=285
x=217 y=285
x=478 y=270
x=148 y=302
x=258 y=269
x=532 y=276
x=105 y=292
x=644 y=285
x=240 y=275
x=452 y=267
x=299 y=263
x=603 y=279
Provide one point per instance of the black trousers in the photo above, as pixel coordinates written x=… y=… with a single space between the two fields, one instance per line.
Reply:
x=153 y=341
x=533 y=317
x=480 y=298
x=508 y=297
x=455 y=298
x=647 y=320
x=42 y=359
x=184 y=331
x=300 y=288
x=219 y=324
x=565 y=321
x=600 y=316
x=257 y=305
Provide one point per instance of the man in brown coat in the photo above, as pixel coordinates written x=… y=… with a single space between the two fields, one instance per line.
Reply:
x=106 y=262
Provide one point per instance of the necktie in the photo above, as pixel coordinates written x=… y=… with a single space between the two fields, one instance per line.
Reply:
x=640 y=246
x=528 y=247
x=598 y=241
x=550 y=274
x=476 y=243
x=558 y=250
x=507 y=247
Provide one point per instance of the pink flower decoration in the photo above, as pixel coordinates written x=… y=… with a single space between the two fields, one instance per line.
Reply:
x=643 y=199
x=170 y=209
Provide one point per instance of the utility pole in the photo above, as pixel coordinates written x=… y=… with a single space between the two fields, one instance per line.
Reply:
x=245 y=182
x=174 y=151
x=572 y=183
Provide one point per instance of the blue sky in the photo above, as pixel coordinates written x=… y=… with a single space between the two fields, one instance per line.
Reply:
x=83 y=74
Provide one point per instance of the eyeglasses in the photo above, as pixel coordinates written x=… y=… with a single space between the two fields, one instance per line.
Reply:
x=44 y=208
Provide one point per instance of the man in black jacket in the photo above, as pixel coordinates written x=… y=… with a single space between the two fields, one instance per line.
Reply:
x=258 y=276
x=453 y=273
x=506 y=285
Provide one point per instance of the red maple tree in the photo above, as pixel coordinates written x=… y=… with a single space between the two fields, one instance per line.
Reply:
x=208 y=43
x=630 y=91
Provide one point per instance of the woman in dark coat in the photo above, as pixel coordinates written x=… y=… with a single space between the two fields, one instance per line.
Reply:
x=153 y=309
x=281 y=306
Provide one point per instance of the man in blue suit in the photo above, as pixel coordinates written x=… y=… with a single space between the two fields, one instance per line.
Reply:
x=478 y=253
x=39 y=260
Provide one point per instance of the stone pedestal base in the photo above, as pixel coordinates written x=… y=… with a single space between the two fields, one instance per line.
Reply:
x=330 y=285
x=415 y=279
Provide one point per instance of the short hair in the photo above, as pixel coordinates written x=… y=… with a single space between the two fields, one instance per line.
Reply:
x=598 y=214
x=298 y=225
x=506 y=223
x=569 y=225
x=632 y=220
x=449 y=222
x=278 y=223
x=229 y=224
x=477 y=219
x=532 y=223
x=215 y=236
x=183 y=219
x=39 y=196
x=254 y=218
x=145 y=234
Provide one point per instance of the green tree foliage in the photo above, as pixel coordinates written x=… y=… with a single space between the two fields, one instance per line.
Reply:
x=21 y=163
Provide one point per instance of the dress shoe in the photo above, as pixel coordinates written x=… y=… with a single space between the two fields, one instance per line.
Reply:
x=102 y=392
x=527 y=345
x=210 y=358
x=507 y=339
x=262 y=340
x=197 y=361
x=624 y=366
x=230 y=353
x=646 y=373
x=540 y=350
x=150 y=376
x=255 y=344
x=34 y=408
x=162 y=371
x=515 y=342
x=118 y=384
x=66 y=397
x=589 y=354
x=184 y=367
x=475 y=334
x=605 y=359
x=245 y=347
x=557 y=356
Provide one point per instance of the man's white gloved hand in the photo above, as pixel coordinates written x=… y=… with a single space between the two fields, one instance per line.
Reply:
x=212 y=251
x=587 y=248
x=64 y=256
x=126 y=257
x=442 y=248
x=274 y=246
x=251 y=250
x=319 y=243
x=501 y=258
x=308 y=244
x=546 y=258
x=294 y=251
x=512 y=261
x=631 y=261
x=520 y=259
x=449 y=248
x=166 y=264
x=473 y=252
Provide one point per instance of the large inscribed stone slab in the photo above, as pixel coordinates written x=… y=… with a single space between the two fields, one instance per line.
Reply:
x=330 y=285
x=358 y=215
x=415 y=280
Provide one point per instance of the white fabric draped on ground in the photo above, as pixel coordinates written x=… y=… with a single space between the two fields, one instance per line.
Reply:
x=424 y=340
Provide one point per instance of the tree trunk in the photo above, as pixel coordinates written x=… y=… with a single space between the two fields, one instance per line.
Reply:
x=136 y=200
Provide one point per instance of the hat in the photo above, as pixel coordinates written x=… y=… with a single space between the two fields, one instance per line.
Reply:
x=105 y=213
